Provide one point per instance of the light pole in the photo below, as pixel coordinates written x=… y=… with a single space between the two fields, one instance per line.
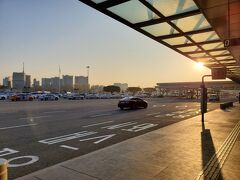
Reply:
x=59 y=81
x=204 y=97
x=88 y=67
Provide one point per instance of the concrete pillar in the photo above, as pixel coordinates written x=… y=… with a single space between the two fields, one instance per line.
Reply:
x=3 y=169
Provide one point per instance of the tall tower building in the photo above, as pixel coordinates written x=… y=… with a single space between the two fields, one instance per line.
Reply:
x=67 y=83
x=28 y=81
x=18 y=80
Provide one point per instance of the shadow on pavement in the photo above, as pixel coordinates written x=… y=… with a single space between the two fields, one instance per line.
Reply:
x=208 y=151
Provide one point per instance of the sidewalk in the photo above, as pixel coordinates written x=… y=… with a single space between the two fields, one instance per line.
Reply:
x=178 y=151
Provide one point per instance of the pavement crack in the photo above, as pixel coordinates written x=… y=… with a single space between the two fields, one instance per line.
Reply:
x=81 y=172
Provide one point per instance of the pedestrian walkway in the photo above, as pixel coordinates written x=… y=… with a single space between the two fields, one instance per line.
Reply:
x=184 y=150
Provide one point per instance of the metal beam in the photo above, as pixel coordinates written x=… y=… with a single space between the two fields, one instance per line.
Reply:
x=198 y=43
x=212 y=50
x=184 y=34
x=110 y=3
x=165 y=19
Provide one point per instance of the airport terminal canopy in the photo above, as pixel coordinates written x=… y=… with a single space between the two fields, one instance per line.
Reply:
x=206 y=31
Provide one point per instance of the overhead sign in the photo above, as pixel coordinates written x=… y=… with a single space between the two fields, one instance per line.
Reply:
x=218 y=73
x=232 y=42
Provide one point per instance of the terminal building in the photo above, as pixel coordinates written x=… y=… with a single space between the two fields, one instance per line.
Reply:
x=192 y=89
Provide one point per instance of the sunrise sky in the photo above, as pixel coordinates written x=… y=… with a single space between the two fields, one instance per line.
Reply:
x=45 y=34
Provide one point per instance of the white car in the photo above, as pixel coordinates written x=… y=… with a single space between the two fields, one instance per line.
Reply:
x=48 y=97
x=3 y=96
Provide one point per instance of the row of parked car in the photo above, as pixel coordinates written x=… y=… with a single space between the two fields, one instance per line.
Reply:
x=28 y=96
x=42 y=96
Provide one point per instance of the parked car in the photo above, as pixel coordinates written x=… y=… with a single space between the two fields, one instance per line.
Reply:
x=132 y=102
x=21 y=97
x=92 y=96
x=213 y=97
x=3 y=96
x=48 y=97
x=75 y=97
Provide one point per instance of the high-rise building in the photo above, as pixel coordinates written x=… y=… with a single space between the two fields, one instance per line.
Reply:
x=28 y=81
x=81 y=83
x=123 y=86
x=18 y=80
x=56 y=84
x=67 y=83
x=46 y=84
x=36 y=83
x=7 y=82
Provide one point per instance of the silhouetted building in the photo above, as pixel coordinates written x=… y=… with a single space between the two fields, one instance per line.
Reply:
x=7 y=82
x=67 y=83
x=81 y=83
x=55 y=83
x=18 y=80
x=36 y=85
x=46 y=84
x=28 y=81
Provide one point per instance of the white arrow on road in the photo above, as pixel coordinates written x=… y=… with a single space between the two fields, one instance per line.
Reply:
x=102 y=138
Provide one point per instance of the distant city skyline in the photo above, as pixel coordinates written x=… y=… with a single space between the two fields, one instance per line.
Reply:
x=74 y=36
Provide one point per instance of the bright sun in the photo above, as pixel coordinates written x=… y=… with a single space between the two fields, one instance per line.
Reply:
x=199 y=65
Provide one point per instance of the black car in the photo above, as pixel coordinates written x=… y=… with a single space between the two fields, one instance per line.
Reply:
x=132 y=102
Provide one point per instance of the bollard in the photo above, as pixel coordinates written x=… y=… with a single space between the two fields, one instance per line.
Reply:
x=3 y=169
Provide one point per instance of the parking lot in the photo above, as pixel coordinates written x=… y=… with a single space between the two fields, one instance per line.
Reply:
x=38 y=134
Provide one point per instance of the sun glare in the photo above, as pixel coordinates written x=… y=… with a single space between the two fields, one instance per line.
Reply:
x=199 y=65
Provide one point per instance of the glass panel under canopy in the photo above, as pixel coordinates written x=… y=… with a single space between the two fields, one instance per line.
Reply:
x=160 y=29
x=133 y=11
x=172 y=7
x=192 y=23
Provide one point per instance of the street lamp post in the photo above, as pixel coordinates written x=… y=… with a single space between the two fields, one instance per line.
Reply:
x=88 y=75
x=204 y=97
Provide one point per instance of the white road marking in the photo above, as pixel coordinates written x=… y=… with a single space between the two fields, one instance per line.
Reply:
x=7 y=151
x=140 y=127
x=69 y=147
x=66 y=137
x=36 y=117
x=33 y=159
x=169 y=115
x=102 y=138
x=155 y=105
x=100 y=115
x=181 y=106
x=160 y=115
x=90 y=125
x=50 y=112
x=117 y=126
x=179 y=117
x=13 y=127
x=153 y=114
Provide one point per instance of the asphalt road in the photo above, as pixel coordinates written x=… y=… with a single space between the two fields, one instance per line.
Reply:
x=35 y=135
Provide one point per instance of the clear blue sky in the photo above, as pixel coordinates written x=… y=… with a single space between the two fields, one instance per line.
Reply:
x=48 y=33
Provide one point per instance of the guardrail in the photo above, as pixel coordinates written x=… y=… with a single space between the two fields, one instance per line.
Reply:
x=3 y=169
x=226 y=105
